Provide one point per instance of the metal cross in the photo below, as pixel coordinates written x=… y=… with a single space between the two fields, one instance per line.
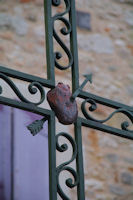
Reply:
x=37 y=84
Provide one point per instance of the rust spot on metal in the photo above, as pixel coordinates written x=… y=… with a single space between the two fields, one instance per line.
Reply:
x=59 y=100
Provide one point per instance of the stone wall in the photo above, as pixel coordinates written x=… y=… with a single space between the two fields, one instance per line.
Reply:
x=105 y=44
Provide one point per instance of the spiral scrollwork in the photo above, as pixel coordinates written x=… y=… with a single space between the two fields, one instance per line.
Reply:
x=33 y=88
x=67 y=5
x=56 y=2
x=64 y=166
x=93 y=107
x=66 y=30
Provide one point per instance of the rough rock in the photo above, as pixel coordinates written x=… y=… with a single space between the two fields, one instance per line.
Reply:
x=120 y=43
x=101 y=196
x=130 y=90
x=113 y=158
x=39 y=31
x=18 y=10
x=127 y=178
x=83 y=20
x=95 y=184
x=117 y=190
x=96 y=43
x=19 y=25
x=113 y=68
x=60 y=102
x=129 y=18
x=106 y=141
x=16 y=23
x=39 y=2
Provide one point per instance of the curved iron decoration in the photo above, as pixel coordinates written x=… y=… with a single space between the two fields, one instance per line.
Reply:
x=33 y=88
x=64 y=166
x=93 y=107
x=56 y=2
x=64 y=31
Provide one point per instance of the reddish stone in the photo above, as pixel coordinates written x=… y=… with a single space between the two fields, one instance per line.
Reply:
x=25 y=1
x=131 y=48
x=39 y=2
x=59 y=100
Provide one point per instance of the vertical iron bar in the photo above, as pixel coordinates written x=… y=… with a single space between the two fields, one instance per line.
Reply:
x=79 y=160
x=52 y=159
x=75 y=86
x=49 y=40
x=12 y=154
x=73 y=45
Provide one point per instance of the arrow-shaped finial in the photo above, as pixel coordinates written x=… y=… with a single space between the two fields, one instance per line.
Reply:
x=36 y=126
x=88 y=78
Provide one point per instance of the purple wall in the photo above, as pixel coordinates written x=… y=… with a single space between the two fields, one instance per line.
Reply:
x=30 y=156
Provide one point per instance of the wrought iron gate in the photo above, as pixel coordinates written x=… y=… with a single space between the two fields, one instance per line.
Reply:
x=37 y=84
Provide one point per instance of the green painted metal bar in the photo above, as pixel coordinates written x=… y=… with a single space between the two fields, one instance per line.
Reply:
x=79 y=160
x=49 y=40
x=26 y=77
x=69 y=28
x=104 y=101
x=75 y=86
x=25 y=106
x=107 y=129
x=74 y=48
x=77 y=92
x=47 y=83
x=52 y=158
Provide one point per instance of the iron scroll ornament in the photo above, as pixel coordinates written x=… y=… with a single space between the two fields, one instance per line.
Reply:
x=64 y=31
x=33 y=88
x=93 y=107
x=65 y=166
x=70 y=29
x=37 y=83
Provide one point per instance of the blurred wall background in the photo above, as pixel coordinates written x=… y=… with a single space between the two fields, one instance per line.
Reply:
x=105 y=45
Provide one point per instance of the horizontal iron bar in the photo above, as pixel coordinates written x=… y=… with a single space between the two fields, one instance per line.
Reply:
x=26 y=106
x=104 y=101
x=106 y=128
x=26 y=77
x=48 y=83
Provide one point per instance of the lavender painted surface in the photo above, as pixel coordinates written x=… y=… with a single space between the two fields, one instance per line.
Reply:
x=5 y=153
x=31 y=174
